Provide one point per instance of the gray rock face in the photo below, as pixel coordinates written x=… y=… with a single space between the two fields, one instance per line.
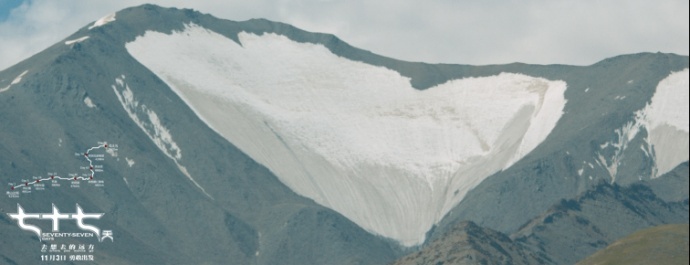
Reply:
x=672 y=187
x=246 y=215
x=467 y=243
x=568 y=232
x=575 y=229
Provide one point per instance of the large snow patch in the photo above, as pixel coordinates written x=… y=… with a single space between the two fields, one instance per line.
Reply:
x=666 y=120
x=355 y=137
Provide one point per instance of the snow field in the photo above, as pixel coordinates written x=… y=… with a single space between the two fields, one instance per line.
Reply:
x=355 y=137
x=666 y=120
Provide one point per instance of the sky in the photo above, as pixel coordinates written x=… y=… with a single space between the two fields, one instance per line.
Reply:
x=478 y=32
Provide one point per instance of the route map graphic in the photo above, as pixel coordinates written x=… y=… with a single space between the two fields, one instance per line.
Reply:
x=94 y=156
x=65 y=244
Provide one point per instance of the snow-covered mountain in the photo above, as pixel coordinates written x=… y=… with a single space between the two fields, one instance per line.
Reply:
x=361 y=140
x=354 y=137
x=294 y=147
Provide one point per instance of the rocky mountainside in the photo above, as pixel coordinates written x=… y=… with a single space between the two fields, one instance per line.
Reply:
x=467 y=243
x=574 y=229
x=566 y=233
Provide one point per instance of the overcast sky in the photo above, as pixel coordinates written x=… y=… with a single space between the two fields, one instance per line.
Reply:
x=579 y=32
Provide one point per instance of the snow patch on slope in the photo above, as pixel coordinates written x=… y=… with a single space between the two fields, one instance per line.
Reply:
x=111 y=152
x=152 y=126
x=14 y=82
x=355 y=137
x=666 y=120
x=155 y=130
x=623 y=138
x=89 y=102
x=102 y=21
x=70 y=42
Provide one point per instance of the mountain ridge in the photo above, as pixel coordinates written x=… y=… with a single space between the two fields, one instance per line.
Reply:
x=549 y=239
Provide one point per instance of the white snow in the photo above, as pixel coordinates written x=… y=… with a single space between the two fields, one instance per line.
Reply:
x=669 y=104
x=644 y=149
x=102 y=21
x=89 y=103
x=130 y=162
x=623 y=138
x=70 y=42
x=14 y=82
x=666 y=121
x=354 y=137
x=111 y=152
x=153 y=128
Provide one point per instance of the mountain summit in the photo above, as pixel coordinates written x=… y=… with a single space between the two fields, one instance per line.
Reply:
x=268 y=144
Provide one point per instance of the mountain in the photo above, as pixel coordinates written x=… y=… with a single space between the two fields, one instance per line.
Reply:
x=575 y=229
x=177 y=192
x=256 y=142
x=673 y=187
x=567 y=232
x=599 y=136
x=664 y=244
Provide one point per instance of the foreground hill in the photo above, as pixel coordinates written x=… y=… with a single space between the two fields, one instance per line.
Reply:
x=664 y=244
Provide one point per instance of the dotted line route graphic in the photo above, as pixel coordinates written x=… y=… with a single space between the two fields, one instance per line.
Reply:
x=26 y=186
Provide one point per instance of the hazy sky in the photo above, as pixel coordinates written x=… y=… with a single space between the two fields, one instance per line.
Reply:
x=577 y=32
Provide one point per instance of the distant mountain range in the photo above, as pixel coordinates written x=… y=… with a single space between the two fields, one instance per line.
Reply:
x=256 y=142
